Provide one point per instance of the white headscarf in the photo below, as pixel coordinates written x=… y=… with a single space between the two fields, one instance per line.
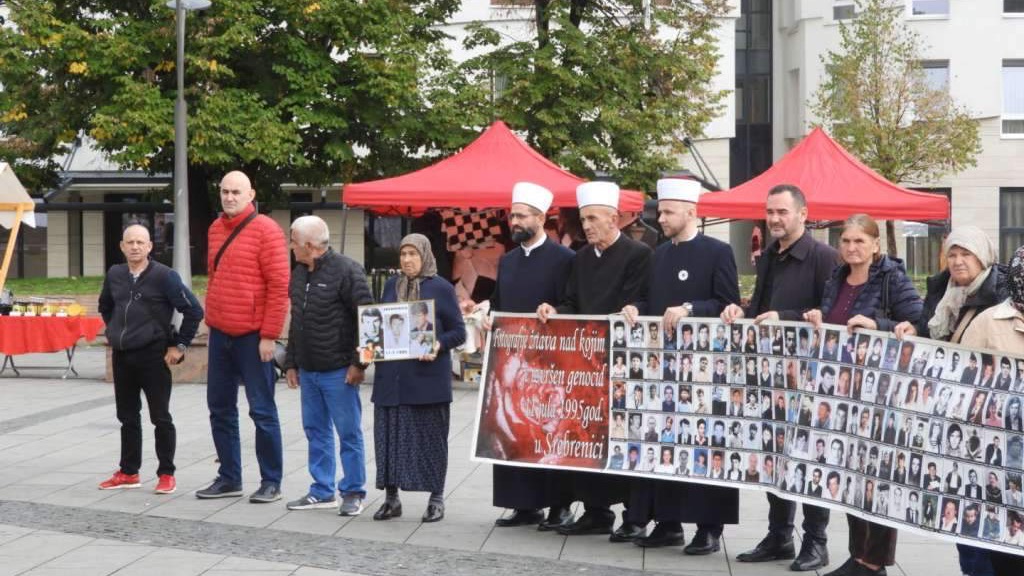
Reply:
x=974 y=240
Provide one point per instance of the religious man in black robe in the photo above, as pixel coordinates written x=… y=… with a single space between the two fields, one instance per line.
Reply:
x=532 y=273
x=693 y=276
x=608 y=273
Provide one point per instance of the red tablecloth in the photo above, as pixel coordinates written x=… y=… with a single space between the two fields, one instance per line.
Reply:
x=25 y=335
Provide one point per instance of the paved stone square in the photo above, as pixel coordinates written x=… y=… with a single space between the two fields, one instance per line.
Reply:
x=59 y=439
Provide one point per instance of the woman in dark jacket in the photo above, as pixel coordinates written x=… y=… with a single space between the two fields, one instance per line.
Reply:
x=412 y=398
x=868 y=290
x=972 y=283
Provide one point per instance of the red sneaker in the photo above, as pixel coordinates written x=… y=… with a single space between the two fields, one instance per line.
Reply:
x=165 y=484
x=120 y=480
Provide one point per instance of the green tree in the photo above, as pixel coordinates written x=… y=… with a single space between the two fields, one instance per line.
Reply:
x=304 y=91
x=599 y=87
x=876 y=101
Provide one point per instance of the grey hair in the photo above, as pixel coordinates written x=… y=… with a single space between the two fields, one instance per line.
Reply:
x=312 y=229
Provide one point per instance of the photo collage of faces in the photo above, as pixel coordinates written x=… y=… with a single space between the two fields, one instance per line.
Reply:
x=398 y=331
x=917 y=431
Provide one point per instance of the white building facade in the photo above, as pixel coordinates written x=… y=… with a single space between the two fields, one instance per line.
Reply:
x=975 y=47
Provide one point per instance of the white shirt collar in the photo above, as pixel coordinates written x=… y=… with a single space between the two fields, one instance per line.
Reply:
x=617 y=234
x=527 y=248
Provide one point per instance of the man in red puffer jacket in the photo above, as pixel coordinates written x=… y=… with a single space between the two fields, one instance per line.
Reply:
x=246 y=303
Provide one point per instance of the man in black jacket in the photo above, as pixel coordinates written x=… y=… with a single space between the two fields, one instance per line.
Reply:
x=326 y=289
x=137 y=303
x=791 y=278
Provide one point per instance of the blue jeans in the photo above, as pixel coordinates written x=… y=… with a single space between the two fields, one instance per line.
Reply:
x=329 y=405
x=234 y=360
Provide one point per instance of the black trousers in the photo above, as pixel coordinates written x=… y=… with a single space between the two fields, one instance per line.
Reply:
x=709 y=507
x=1005 y=564
x=144 y=371
x=872 y=543
x=782 y=512
x=598 y=492
x=530 y=488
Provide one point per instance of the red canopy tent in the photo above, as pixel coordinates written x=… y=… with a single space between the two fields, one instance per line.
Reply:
x=836 y=185
x=480 y=176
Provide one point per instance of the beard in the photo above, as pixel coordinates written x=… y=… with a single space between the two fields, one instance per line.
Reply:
x=520 y=235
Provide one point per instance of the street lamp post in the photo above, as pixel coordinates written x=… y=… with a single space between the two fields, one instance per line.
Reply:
x=182 y=245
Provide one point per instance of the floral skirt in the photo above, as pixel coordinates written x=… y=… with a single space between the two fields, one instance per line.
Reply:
x=411 y=445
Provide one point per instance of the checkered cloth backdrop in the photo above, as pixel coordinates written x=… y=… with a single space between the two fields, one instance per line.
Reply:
x=472 y=228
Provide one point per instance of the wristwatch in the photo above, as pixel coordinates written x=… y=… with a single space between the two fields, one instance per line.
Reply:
x=182 y=348
x=689 y=308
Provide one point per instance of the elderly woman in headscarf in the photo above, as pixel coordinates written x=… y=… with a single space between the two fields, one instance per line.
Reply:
x=412 y=398
x=971 y=284
x=1001 y=328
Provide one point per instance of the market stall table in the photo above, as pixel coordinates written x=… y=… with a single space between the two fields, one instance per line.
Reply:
x=45 y=334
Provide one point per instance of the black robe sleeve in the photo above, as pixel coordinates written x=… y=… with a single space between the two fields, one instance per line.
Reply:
x=725 y=285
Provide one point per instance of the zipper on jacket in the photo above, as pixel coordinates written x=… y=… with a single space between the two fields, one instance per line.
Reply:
x=124 y=329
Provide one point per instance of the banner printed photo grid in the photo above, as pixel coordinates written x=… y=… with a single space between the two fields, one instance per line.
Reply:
x=912 y=432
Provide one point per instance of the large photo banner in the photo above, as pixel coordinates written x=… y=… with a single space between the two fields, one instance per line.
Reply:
x=546 y=399
x=917 y=434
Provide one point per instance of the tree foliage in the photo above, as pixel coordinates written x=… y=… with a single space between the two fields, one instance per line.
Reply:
x=317 y=91
x=875 y=100
x=597 y=89
x=303 y=91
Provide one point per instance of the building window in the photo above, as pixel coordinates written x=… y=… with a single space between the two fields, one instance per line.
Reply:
x=1013 y=98
x=924 y=241
x=1013 y=6
x=844 y=10
x=1011 y=220
x=936 y=74
x=929 y=7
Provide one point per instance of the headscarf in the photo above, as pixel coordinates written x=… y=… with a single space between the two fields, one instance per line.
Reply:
x=409 y=288
x=1015 y=280
x=947 y=311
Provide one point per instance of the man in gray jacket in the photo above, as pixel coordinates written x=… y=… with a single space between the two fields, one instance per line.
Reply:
x=326 y=289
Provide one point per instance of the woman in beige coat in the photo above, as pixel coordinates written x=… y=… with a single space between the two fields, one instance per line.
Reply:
x=1001 y=327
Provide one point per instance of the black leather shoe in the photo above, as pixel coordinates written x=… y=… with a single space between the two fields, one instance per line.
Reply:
x=587 y=524
x=388 y=510
x=703 y=543
x=520 y=518
x=557 y=517
x=768 y=549
x=627 y=532
x=853 y=568
x=813 y=555
x=662 y=535
x=434 y=513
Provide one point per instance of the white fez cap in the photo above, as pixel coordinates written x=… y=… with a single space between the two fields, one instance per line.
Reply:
x=684 y=189
x=597 y=194
x=533 y=195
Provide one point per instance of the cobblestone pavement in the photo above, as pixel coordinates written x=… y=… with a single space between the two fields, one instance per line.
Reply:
x=59 y=438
